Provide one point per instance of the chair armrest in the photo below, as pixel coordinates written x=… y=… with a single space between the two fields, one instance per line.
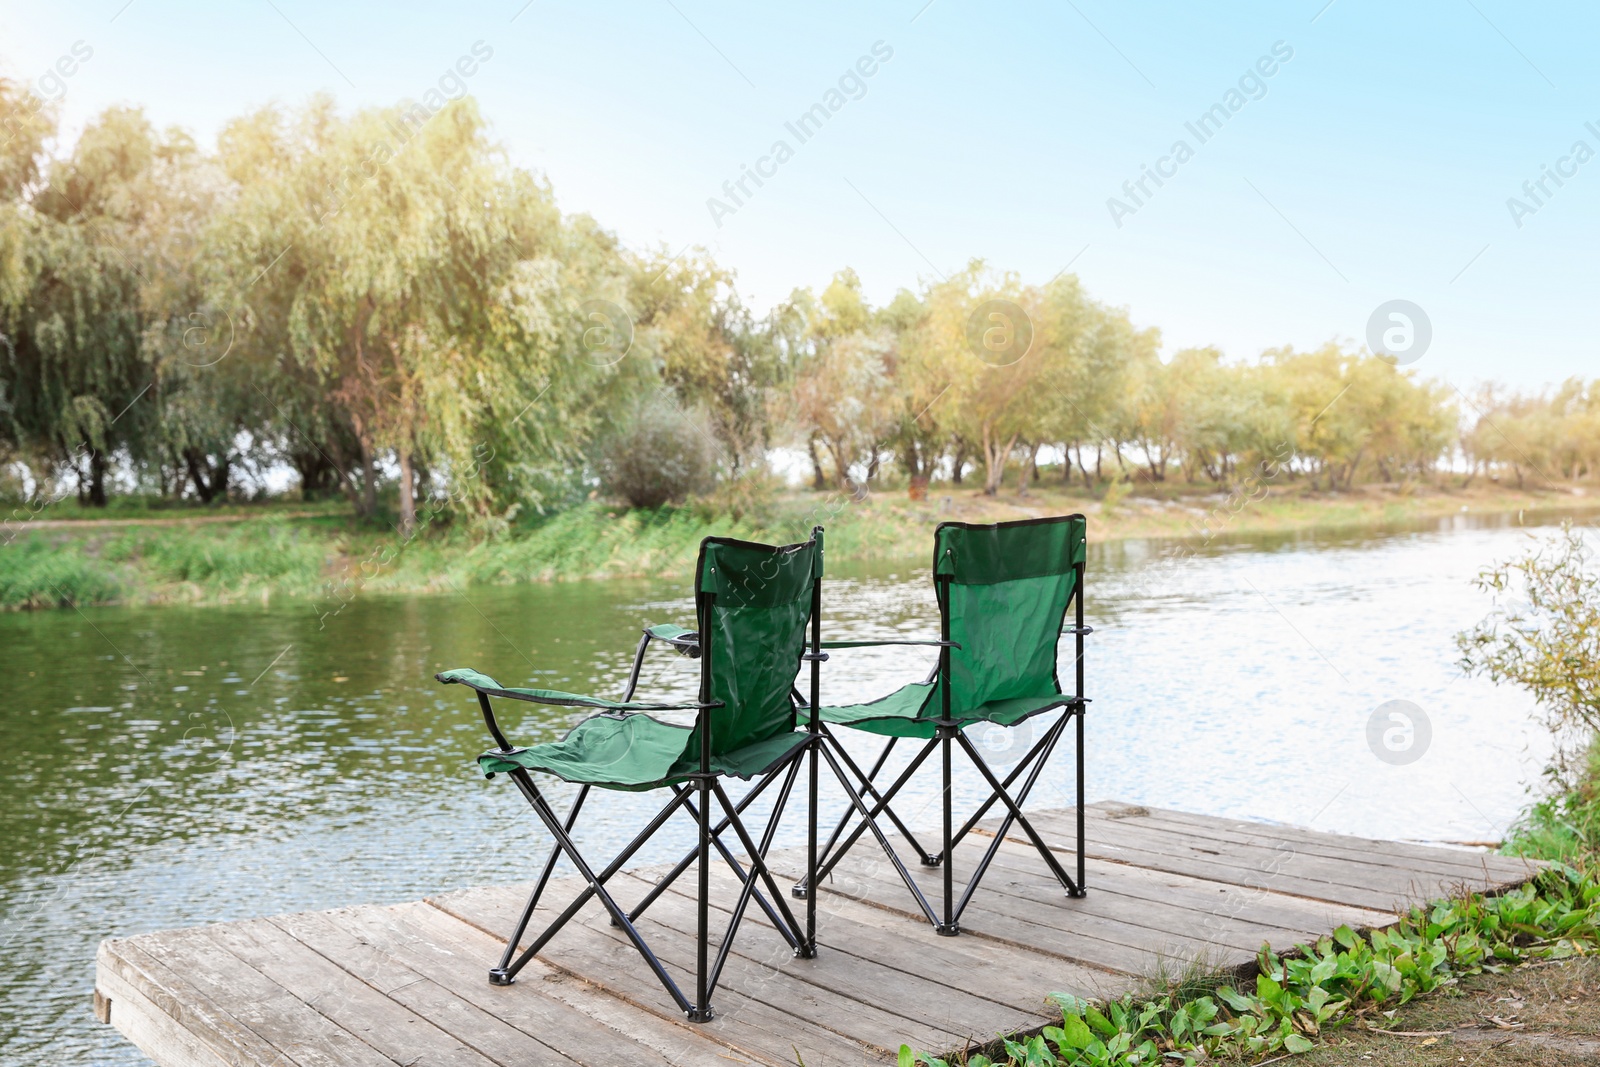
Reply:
x=684 y=642
x=871 y=644
x=489 y=687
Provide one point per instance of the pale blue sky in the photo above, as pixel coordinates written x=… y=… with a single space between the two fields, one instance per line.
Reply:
x=1376 y=165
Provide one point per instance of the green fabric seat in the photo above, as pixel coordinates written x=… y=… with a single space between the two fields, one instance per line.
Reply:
x=754 y=605
x=1005 y=590
x=632 y=751
x=1004 y=593
x=911 y=711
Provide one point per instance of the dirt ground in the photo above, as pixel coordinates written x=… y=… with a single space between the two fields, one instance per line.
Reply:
x=1542 y=1015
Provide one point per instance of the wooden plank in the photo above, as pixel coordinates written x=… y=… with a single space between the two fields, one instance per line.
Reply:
x=170 y=993
x=1087 y=939
x=1176 y=902
x=764 y=1032
x=859 y=977
x=377 y=986
x=522 y=1023
x=1283 y=872
x=389 y=1026
x=1445 y=863
x=151 y=1028
x=1180 y=914
x=284 y=1021
x=1285 y=856
x=905 y=941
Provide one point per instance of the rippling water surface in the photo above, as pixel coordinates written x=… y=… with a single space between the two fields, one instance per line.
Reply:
x=171 y=766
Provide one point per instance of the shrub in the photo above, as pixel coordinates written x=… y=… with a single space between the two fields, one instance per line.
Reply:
x=1544 y=635
x=659 y=454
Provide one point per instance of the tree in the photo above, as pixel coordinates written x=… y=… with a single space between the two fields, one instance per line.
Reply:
x=75 y=367
x=843 y=397
x=991 y=401
x=708 y=348
x=418 y=283
x=1091 y=353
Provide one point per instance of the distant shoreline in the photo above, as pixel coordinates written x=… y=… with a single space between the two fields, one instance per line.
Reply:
x=318 y=554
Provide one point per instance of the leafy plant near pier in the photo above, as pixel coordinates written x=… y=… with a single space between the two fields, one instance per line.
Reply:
x=1543 y=635
x=1341 y=980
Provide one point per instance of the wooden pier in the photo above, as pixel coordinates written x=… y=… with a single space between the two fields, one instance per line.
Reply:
x=380 y=986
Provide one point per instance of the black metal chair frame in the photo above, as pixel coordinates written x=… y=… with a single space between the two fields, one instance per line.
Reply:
x=951 y=733
x=695 y=796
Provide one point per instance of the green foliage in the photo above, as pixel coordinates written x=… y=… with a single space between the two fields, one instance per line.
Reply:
x=1295 y=999
x=659 y=455
x=352 y=294
x=26 y=122
x=1547 y=435
x=1543 y=634
x=226 y=560
x=34 y=573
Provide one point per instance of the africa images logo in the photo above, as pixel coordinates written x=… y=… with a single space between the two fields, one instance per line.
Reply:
x=1252 y=85
x=852 y=85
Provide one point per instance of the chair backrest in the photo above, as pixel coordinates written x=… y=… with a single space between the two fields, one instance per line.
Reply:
x=1004 y=590
x=754 y=603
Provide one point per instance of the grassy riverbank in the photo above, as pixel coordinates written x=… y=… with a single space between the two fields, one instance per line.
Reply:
x=137 y=554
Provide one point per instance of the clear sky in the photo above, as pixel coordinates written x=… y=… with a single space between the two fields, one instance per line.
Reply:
x=1374 y=163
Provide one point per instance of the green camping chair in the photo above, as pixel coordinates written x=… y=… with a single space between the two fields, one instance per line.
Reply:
x=753 y=604
x=1003 y=592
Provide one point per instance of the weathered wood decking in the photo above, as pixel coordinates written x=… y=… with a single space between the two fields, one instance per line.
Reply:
x=376 y=986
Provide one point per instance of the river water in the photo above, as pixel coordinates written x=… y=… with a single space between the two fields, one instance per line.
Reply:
x=171 y=766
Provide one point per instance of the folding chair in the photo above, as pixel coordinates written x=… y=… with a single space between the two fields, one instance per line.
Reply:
x=753 y=604
x=1004 y=592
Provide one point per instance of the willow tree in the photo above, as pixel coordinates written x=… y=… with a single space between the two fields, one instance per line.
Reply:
x=26 y=123
x=416 y=280
x=75 y=370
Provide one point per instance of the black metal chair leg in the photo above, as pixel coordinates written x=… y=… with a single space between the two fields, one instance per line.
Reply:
x=883 y=842
x=1021 y=819
x=595 y=888
x=1022 y=766
x=785 y=923
x=758 y=868
x=1083 y=885
x=687 y=861
x=868 y=788
x=844 y=820
x=538 y=890
x=948 y=927
x=809 y=947
x=1049 y=742
x=830 y=747
x=701 y=1012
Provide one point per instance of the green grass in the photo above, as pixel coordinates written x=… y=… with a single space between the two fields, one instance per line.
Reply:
x=241 y=558
x=1565 y=827
x=35 y=574
x=153 y=551
x=274 y=555
x=164 y=564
